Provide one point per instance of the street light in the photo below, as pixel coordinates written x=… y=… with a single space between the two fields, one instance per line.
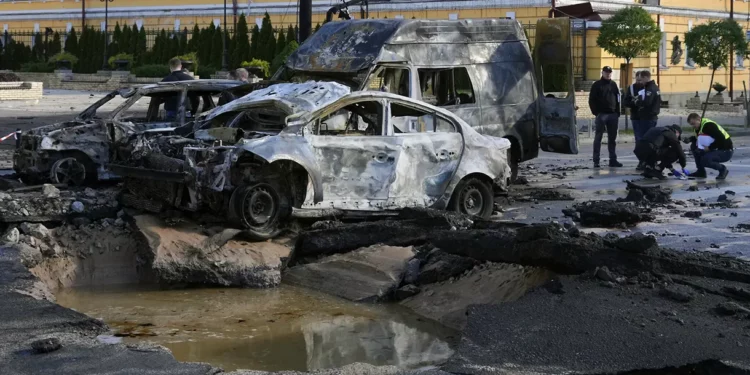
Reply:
x=224 y=61
x=105 y=64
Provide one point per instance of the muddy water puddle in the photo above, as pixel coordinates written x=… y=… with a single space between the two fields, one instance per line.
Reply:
x=286 y=328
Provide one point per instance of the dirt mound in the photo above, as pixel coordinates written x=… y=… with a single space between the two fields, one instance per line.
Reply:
x=646 y=194
x=609 y=214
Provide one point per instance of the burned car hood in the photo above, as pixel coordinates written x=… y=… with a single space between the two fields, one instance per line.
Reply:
x=294 y=98
x=56 y=128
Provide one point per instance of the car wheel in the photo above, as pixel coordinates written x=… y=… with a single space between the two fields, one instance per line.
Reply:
x=473 y=197
x=260 y=209
x=513 y=164
x=68 y=171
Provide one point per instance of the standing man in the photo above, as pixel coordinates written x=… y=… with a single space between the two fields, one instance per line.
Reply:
x=604 y=101
x=648 y=103
x=241 y=75
x=172 y=103
x=629 y=101
x=711 y=146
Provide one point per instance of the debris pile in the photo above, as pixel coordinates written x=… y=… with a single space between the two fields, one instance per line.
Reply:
x=47 y=203
x=646 y=194
x=609 y=214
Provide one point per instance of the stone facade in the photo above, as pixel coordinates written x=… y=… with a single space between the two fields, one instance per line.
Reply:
x=65 y=80
x=20 y=90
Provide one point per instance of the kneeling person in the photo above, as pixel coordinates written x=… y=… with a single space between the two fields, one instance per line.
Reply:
x=662 y=145
x=711 y=146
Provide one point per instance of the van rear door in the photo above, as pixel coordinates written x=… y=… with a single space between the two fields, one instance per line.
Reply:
x=553 y=63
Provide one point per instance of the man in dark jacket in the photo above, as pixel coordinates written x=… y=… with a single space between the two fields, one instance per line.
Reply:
x=172 y=104
x=604 y=101
x=661 y=144
x=629 y=101
x=648 y=102
x=711 y=146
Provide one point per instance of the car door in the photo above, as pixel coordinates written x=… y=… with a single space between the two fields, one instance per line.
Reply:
x=357 y=161
x=431 y=149
x=553 y=64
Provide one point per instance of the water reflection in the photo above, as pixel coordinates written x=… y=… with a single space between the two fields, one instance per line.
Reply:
x=349 y=339
x=287 y=328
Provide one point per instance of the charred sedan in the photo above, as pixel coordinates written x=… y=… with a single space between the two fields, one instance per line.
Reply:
x=314 y=149
x=77 y=152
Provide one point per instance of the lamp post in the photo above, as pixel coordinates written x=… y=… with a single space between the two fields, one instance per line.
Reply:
x=105 y=64
x=224 y=61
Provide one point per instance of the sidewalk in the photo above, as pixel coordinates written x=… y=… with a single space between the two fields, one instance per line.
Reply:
x=584 y=139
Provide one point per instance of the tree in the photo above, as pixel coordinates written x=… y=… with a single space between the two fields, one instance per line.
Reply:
x=280 y=59
x=204 y=48
x=267 y=40
x=629 y=33
x=184 y=41
x=217 y=49
x=115 y=44
x=141 y=47
x=71 y=43
x=254 y=42
x=290 y=34
x=711 y=44
x=194 y=39
x=37 y=51
x=240 y=43
x=55 y=45
x=280 y=43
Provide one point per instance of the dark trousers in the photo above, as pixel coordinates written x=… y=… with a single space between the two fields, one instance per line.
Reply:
x=608 y=122
x=649 y=155
x=710 y=159
x=640 y=127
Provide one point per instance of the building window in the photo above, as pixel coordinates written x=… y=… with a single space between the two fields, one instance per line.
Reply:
x=663 y=51
x=453 y=16
x=139 y=23
x=510 y=15
x=177 y=25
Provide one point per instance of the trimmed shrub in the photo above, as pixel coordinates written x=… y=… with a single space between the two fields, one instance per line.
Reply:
x=64 y=56
x=263 y=65
x=37 y=67
x=120 y=56
x=151 y=71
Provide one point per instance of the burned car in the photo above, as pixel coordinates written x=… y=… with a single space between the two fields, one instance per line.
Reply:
x=313 y=150
x=78 y=151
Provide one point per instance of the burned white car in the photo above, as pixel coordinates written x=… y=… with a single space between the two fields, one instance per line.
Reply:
x=313 y=150
x=78 y=151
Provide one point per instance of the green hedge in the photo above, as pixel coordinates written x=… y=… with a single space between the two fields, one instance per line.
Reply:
x=204 y=72
x=151 y=71
x=37 y=67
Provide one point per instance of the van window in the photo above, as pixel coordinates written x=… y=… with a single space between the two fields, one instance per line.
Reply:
x=555 y=79
x=362 y=118
x=391 y=80
x=446 y=87
x=410 y=120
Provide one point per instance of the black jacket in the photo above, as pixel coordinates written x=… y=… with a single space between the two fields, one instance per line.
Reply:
x=629 y=101
x=173 y=103
x=649 y=106
x=663 y=138
x=720 y=142
x=604 y=97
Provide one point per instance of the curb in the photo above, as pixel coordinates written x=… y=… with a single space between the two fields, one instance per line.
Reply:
x=584 y=139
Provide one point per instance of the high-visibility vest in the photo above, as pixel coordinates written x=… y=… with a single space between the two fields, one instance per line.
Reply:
x=706 y=121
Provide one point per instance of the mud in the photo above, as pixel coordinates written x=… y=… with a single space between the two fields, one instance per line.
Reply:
x=646 y=194
x=610 y=214
x=544 y=195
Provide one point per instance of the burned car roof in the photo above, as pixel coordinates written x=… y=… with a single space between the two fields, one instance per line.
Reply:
x=296 y=97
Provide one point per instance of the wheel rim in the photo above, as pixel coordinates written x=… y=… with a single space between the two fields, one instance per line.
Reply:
x=472 y=201
x=260 y=206
x=69 y=171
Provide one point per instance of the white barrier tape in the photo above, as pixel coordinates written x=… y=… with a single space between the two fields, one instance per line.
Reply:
x=7 y=136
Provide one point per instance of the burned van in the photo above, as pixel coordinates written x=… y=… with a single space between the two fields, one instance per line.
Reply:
x=482 y=70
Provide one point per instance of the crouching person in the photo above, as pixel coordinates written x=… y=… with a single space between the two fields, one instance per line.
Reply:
x=710 y=146
x=661 y=145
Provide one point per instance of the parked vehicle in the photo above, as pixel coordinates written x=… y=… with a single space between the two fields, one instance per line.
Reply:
x=314 y=149
x=482 y=70
x=77 y=152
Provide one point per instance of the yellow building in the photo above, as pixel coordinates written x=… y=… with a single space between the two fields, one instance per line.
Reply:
x=678 y=81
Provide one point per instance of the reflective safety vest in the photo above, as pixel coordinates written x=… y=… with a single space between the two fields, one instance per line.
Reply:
x=706 y=121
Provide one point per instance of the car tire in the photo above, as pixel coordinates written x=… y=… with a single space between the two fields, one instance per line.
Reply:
x=513 y=164
x=260 y=208
x=473 y=197
x=69 y=171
